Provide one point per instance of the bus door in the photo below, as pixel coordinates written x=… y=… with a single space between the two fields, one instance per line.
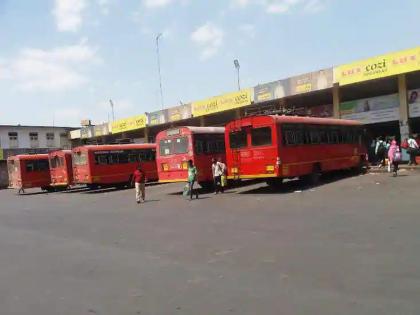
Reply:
x=262 y=161
x=238 y=141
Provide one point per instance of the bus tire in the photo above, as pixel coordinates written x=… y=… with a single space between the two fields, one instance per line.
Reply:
x=362 y=167
x=275 y=182
x=92 y=186
x=313 y=178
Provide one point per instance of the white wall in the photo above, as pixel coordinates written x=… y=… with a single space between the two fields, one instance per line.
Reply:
x=23 y=136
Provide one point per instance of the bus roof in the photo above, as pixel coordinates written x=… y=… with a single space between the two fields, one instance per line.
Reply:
x=108 y=147
x=59 y=152
x=194 y=130
x=282 y=119
x=28 y=157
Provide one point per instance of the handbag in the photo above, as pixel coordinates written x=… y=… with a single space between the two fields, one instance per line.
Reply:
x=223 y=181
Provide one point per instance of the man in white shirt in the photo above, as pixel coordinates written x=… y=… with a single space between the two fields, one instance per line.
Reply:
x=218 y=169
x=413 y=150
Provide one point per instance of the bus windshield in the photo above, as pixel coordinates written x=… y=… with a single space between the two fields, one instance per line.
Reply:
x=80 y=158
x=173 y=146
x=238 y=139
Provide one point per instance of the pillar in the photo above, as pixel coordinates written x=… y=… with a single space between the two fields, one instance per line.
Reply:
x=202 y=121
x=402 y=93
x=336 y=100
x=238 y=113
x=146 y=135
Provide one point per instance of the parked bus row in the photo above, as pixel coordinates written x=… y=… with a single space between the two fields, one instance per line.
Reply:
x=269 y=147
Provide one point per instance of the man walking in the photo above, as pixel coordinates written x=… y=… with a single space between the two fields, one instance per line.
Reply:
x=139 y=180
x=413 y=149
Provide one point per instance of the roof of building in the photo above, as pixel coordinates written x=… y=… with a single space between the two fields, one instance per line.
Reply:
x=35 y=126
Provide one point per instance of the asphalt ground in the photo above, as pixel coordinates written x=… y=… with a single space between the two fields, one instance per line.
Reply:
x=348 y=246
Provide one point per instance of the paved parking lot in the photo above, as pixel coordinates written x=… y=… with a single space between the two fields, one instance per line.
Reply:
x=350 y=246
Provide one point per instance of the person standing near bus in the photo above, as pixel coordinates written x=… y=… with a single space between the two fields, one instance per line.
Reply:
x=413 y=149
x=215 y=170
x=221 y=173
x=139 y=179
x=394 y=157
x=192 y=178
x=380 y=151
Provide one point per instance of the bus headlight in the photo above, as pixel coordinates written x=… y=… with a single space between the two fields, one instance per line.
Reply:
x=184 y=165
x=234 y=170
x=165 y=167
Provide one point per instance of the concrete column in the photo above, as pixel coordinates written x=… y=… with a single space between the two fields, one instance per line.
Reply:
x=402 y=92
x=146 y=134
x=336 y=100
x=238 y=113
x=202 y=121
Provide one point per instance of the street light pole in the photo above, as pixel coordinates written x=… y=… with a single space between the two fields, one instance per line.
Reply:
x=158 y=62
x=238 y=66
x=112 y=109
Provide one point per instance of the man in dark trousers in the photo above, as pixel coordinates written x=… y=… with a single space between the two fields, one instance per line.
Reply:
x=139 y=179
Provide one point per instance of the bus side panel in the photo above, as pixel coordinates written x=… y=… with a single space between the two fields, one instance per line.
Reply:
x=34 y=179
x=69 y=169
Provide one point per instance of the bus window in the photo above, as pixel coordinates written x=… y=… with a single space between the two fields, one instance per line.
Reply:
x=261 y=136
x=101 y=159
x=133 y=158
x=54 y=162
x=294 y=135
x=181 y=145
x=37 y=166
x=199 y=146
x=165 y=147
x=123 y=158
x=237 y=139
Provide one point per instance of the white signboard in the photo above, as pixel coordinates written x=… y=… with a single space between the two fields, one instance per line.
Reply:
x=414 y=103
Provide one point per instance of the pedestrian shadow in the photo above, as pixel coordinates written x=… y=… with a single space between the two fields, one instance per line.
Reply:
x=151 y=200
x=299 y=185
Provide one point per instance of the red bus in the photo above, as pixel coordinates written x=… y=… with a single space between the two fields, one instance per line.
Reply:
x=112 y=165
x=29 y=171
x=61 y=169
x=178 y=145
x=276 y=147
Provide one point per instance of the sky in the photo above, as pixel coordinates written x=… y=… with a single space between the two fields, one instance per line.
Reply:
x=61 y=61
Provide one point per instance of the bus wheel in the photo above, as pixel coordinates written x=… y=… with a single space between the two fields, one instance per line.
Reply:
x=275 y=182
x=362 y=167
x=313 y=178
x=92 y=186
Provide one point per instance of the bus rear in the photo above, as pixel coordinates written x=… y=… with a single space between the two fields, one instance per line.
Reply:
x=252 y=149
x=29 y=171
x=174 y=149
x=61 y=168
x=177 y=146
x=81 y=167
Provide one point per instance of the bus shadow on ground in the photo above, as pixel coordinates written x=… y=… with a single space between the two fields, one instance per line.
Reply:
x=34 y=193
x=298 y=185
x=230 y=189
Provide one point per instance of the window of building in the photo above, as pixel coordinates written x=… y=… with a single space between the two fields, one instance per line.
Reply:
x=13 y=140
x=238 y=139
x=50 y=139
x=33 y=139
x=261 y=136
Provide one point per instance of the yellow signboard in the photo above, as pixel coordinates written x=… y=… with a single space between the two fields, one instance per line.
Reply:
x=127 y=124
x=378 y=67
x=222 y=103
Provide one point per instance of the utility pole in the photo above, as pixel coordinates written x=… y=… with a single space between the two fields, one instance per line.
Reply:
x=112 y=109
x=158 y=63
x=238 y=66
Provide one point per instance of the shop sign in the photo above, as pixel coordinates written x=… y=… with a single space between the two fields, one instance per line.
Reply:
x=101 y=130
x=222 y=103
x=75 y=134
x=131 y=123
x=86 y=132
x=378 y=67
x=372 y=110
x=179 y=112
x=310 y=82
x=158 y=117
x=271 y=91
x=414 y=103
